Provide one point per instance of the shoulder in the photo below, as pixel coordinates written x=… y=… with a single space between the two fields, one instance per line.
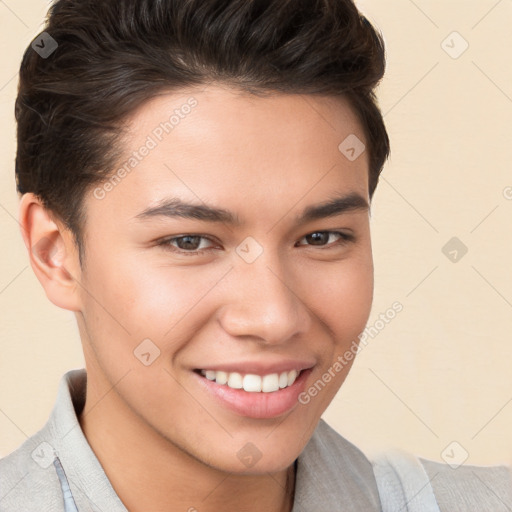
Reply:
x=29 y=472
x=28 y=477
x=334 y=468
x=471 y=488
x=419 y=484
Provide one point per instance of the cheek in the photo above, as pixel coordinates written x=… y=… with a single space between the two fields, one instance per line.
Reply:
x=355 y=298
x=166 y=302
x=341 y=294
x=342 y=297
x=343 y=309
x=128 y=301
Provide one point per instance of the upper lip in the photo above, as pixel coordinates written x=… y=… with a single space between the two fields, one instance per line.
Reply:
x=260 y=367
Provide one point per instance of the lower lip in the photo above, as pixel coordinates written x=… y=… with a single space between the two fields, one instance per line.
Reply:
x=256 y=405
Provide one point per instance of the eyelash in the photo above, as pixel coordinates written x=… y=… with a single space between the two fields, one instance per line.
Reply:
x=345 y=238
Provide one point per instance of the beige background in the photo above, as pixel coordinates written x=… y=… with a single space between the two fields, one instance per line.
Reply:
x=440 y=371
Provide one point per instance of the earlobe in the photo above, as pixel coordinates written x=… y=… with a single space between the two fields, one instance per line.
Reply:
x=51 y=252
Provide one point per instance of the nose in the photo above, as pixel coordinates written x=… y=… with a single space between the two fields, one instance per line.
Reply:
x=263 y=303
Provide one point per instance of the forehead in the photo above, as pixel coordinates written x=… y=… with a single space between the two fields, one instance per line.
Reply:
x=225 y=146
x=218 y=109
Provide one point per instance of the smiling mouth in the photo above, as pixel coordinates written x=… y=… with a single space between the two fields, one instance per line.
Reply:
x=252 y=383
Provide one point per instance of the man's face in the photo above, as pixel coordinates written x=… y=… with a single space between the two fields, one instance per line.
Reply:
x=267 y=296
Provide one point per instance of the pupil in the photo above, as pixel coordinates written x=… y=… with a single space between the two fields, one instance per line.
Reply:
x=314 y=238
x=187 y=241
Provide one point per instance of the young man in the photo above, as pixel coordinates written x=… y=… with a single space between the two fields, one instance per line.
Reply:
x=196 y=179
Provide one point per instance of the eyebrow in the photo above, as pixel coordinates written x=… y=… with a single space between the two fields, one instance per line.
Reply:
x=175 y=207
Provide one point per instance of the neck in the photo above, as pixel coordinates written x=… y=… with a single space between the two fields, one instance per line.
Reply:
x=149 y=472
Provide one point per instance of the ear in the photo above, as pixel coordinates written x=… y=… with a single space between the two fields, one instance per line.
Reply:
x=52 y=253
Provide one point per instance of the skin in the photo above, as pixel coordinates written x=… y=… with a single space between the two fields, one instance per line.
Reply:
x=264 y=159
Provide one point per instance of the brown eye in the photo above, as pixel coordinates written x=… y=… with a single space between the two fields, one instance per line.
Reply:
x=186 y=244
x=321 y=238
x=318 y=238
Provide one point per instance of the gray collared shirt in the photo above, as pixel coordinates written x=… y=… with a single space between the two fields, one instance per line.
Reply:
x=55 y=470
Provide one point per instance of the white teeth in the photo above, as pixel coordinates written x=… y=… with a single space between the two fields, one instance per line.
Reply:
x=235 y=381
x=253 y=383
x=292 y=375
x=270 y=383
x=221 y=377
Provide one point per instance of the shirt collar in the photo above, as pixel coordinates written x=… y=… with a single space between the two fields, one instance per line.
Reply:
x=328 y=469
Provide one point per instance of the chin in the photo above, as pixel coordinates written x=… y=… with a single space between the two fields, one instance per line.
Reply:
x=247 y=458
x=263 y=466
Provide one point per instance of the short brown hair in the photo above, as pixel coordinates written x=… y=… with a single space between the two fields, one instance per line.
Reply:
x=114 y=55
